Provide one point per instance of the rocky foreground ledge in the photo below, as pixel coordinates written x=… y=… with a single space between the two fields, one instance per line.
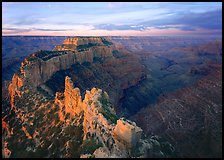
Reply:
x=68 y=126
x=116 y=136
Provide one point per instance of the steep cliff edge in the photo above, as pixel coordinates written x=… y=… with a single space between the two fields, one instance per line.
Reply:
x=114 y=137
x=69 y=126
x=79 y=43
x=89 y=61
x=40 y=66
x=100 y=122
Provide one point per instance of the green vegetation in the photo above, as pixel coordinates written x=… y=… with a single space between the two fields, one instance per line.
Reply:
x=61 y=97
x=104 y=101
x=31 y=58
x=89 y=146
x=117 y=54
x=107 y=43
x=92 y=156
x=57 y=121
x=135 y=152
x=97 y=60
x=86 y=64
x=86 y=46
x=105 y=111
x=90 y=102
x=46 y=55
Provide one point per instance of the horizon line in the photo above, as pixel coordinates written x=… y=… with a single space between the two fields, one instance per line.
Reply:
x=113 y=36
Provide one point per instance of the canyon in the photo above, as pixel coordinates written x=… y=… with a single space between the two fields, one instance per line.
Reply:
x=119 y=96
x=105 y=134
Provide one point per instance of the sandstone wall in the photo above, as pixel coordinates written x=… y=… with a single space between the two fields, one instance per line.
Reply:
x=72 y=43
x=124 y=134
x=13 y=88
x=39 y=71
x=73 y=101
x=83 y=40
x=128 y=131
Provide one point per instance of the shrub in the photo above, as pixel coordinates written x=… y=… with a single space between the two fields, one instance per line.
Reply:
x=89 y=146
x=107 y=43
x=105 y=111
x=86 y=46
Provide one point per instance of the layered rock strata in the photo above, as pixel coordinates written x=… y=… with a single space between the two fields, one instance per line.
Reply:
x=119 y=69
x=40 y=66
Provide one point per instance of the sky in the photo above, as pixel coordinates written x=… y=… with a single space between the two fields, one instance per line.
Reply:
x=112 y=18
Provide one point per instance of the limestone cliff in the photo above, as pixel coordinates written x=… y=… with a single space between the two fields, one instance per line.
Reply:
x=13 y=88
x=78 y=42
x=72 y=98
x=118 y=137
x=40 y=66
x=110 y=69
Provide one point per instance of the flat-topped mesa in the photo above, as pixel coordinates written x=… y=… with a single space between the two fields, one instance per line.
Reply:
x=37 y=68
x=82 y=43
x=83 y=40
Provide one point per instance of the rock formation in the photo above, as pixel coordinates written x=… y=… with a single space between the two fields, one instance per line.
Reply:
x=128 y=132
x=99 y=120
x=74 y=43
x=80 y=120
x=114 y=137
x=89 y=123
x=38 y=69
x=40 y=66
x=13 y=89
x=72 y=98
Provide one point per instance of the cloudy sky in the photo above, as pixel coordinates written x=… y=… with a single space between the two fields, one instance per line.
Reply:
x=111 y=18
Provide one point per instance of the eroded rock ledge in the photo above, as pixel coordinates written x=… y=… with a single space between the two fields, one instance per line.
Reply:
x=40 y=66
x=117 y=136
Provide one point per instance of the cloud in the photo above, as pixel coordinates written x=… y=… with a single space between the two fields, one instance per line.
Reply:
x=119 y=27
x=42 y=29
x=112 y=16
x=125 y=5
x=18 y=30
x=113 y=5
x=187 y=28
x=211 y=20
x=26 y=21
x=208 y=20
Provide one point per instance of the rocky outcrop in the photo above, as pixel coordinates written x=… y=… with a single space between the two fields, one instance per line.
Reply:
x=6 y=153
x=13 y=89
x=74 y=43
x=100 y=121
x=72 y=98
x=110 y=67
x=40 y=66
x=128 y=132
x=69 y=126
